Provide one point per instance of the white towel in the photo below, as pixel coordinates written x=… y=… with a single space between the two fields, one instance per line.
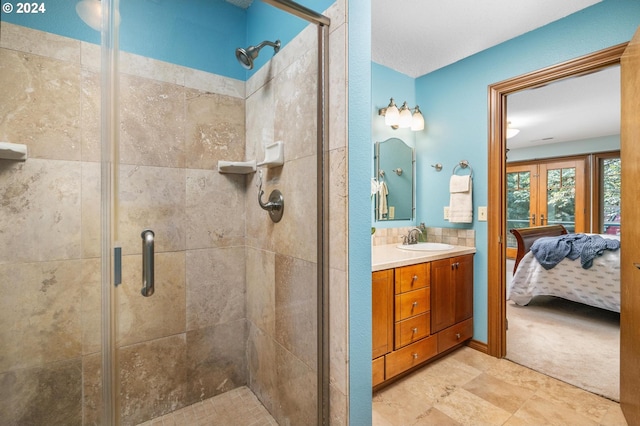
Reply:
x=459 y=183
x=460 y=201
x=383 y=191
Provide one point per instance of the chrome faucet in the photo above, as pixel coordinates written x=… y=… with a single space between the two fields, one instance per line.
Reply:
x=412 y=236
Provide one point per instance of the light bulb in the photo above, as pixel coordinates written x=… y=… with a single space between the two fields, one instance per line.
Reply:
x=417 y=120
x=392 y=115
x=405 y=116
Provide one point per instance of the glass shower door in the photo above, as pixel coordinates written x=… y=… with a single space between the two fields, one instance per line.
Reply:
x=185 y=341
x=229 y=332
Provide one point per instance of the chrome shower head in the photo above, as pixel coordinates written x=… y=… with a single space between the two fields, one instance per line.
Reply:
x=246 y=56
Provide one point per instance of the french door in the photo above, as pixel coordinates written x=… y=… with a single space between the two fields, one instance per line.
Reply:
x=546 y=193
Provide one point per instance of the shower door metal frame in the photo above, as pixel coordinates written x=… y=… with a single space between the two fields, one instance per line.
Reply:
x=322 y=195
x=109 y=119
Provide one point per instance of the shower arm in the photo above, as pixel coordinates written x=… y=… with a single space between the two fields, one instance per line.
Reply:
x=276 y=45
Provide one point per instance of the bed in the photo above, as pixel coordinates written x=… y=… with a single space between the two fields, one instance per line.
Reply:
x=597 y=286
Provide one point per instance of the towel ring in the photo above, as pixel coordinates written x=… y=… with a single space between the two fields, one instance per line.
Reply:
x=463 y=165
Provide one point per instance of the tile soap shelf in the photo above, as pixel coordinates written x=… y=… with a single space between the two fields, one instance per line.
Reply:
x=273 y=157
x=13 y=151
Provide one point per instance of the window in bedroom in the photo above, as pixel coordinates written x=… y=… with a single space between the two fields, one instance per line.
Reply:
x=547 y=192
x=606 y=196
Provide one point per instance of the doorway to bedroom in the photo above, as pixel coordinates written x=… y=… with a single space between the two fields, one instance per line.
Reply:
x=569 y=178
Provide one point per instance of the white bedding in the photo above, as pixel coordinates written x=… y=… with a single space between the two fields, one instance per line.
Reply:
x=597 y=286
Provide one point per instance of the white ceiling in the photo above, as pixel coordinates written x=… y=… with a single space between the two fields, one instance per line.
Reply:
x=568 y=110
x=240 y=3
x=416 y=37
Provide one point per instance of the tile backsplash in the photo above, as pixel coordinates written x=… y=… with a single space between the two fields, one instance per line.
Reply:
x=457 y=237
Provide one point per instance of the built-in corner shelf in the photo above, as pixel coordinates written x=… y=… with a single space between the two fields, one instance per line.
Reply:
x=273 y=157
x=237 y=167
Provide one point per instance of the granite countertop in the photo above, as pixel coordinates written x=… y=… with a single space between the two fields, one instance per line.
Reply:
x=389 y=256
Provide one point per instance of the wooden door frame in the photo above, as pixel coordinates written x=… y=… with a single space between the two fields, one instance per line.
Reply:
x=498 y=92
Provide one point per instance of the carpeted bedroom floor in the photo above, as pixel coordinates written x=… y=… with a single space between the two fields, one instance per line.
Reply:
x=569 y=341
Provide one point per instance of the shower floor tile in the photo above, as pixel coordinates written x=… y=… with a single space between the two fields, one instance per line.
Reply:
x=236 y=407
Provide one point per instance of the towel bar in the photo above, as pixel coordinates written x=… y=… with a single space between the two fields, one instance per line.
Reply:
x=463 y=165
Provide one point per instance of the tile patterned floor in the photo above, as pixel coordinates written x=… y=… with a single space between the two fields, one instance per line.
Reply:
x=471 y=388
x=237 y=407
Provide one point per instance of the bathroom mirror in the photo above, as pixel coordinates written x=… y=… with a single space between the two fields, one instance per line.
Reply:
x=394 y=166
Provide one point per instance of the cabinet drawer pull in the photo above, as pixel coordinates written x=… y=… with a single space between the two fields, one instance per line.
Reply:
x=458 y=336
x=415 y=304
x=415 y=278
x=415 y=356
x=414 y=330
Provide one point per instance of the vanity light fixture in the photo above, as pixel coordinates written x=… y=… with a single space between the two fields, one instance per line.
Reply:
x=511 y=132
x=402 y=118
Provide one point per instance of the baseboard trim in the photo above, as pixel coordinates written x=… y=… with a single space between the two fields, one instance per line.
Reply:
x=479 y=346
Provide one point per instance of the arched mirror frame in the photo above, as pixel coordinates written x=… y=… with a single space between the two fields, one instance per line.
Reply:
x=497 y=332
x=406 y=172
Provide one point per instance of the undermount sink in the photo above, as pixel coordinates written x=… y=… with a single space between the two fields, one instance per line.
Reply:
x=425 y=247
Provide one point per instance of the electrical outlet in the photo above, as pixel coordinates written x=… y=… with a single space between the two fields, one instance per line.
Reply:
x=446 y=212
x=482 y=213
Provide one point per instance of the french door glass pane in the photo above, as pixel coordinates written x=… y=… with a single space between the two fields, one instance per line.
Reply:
x=561 y=197
x=518 y=203
x=611 y=196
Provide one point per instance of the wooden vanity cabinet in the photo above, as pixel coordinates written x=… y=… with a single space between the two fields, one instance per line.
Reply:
x=382 y=322
x=451 y=291
x=420 y=311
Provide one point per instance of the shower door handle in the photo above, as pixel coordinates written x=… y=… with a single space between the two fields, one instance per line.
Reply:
x=147 y=263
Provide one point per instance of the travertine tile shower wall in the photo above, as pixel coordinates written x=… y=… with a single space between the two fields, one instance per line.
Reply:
x=186 y=342
x=282 y=258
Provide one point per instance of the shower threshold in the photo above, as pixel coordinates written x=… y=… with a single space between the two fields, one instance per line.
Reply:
x=237 y=407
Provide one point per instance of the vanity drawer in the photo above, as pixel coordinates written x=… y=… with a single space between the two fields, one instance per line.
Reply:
x=412 y=277
x=412 y=329
x=378 y=371
x=412 y=303
x=410 y=356
x=455 y=334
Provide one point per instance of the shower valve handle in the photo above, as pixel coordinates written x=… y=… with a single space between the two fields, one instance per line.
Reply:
x=275 y=204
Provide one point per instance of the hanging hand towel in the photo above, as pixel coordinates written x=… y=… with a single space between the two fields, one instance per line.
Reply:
x=383 y=191
x=460 y=201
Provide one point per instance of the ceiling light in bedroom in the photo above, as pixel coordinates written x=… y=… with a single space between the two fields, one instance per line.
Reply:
x=511 y=132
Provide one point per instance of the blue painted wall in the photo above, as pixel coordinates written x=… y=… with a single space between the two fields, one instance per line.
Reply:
x=454 y=102
x=360 y=157
x=199 y=34
x=385 y=84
